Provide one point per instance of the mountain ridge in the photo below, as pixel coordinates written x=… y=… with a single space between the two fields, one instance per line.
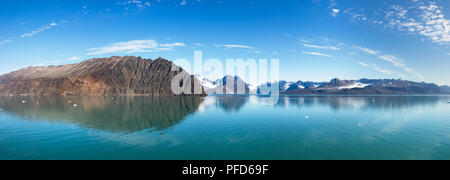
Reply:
x=356 y=87
x=128 y=75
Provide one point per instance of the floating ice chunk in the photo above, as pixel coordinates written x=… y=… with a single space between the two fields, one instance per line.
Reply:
x=359 y=124
x=307 y=117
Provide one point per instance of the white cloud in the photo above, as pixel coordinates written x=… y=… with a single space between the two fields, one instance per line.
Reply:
x=398 y=63
x=316 y=54
x=367 y=50
x=321 y=47
x=137 y=3
x=232 y=46
x=37 y=31
x=359 y=17
x=135 y=46
x=249 y=49
x=71 y=59
x=363 y=64
x=198 y=44
x=425 y=19
x=382 y=70
x=5 y=42
x=305 y=41
x=173 y=45
x=75 y=58
x=335 y=12
x=395 y=61
x=183 y=2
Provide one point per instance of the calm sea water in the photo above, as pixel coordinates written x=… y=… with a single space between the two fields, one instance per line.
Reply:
x=225 y=127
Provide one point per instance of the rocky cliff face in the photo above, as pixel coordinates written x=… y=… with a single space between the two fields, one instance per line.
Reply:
x=103 y=76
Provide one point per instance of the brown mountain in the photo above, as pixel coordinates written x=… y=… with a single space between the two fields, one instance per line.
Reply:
x=102 y=76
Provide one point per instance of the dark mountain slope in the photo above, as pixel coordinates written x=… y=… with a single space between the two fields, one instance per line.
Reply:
x=103 y=76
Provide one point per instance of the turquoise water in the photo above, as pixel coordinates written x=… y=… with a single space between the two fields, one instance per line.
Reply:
x=225 y=127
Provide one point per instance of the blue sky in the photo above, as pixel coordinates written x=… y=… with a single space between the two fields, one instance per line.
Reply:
x=314 y=39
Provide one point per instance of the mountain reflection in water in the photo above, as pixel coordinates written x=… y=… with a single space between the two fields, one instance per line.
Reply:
x=132 y=114
x=128 y=114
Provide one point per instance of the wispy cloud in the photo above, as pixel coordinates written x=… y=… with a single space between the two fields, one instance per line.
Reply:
x=183 y=2
x=5 y=42
x=135 y=46
x=321 y=47
x=363 y=64
x=335 y=12
x=249 y=49
x=425 y=19
x=395 y=61
x=39 y=30
x=232 y=46
x=367 y=50
x=70 y=59
x=137 y=3
x=399 y=63
x=382 y=70
x=390 y=72
x=198 y=44
x=172 y=45
x=316 y=54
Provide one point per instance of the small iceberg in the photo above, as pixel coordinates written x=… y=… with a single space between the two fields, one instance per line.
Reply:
x=307 y=117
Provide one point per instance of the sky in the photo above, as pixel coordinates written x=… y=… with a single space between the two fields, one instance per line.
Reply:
x=315 y=40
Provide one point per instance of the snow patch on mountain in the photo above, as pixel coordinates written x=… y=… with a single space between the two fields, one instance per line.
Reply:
x=355 y=86
x=253 y=88
x=206 y=83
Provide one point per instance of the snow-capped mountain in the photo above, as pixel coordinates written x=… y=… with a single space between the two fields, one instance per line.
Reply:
x=335 y=86
x=289 y=86
x=222 y=86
